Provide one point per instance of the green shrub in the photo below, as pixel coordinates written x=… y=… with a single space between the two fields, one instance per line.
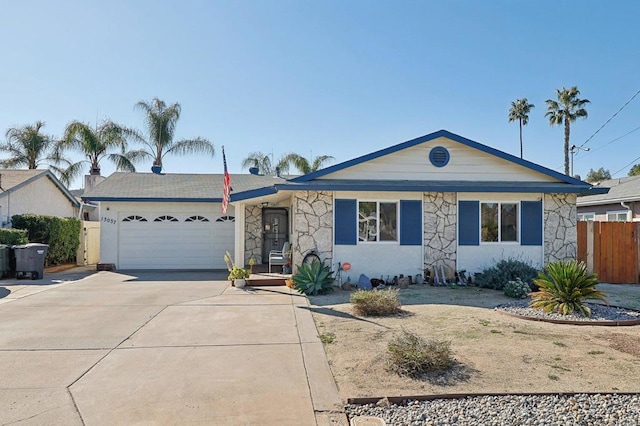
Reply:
x=313 y=278
x=375 y=302
x=564 y=287
x=60 y=233
x=13 y=236
x=504 y=271
x=517 y=289
x=413 y=356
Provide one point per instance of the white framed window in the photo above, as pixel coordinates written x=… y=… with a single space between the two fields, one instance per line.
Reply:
x=377 y=221
x=586 y=217
x=617 y=216
x=499 y=222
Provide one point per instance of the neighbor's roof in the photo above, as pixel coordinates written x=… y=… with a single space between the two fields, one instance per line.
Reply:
x=12 y=180
x=122 y=186
x=620 y=190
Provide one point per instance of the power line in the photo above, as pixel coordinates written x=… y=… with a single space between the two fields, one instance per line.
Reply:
x=610 y=118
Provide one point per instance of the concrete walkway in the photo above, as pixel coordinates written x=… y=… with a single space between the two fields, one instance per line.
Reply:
x=160 y=348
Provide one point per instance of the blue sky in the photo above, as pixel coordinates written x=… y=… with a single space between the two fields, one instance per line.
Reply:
x=341 y=78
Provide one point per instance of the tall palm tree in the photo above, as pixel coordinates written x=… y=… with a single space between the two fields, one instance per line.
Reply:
x=304 y=165
x=519 y=111
x=161 y=120
x=26 y=146
x=565 y=111
x=264 y=164
x=95 y=144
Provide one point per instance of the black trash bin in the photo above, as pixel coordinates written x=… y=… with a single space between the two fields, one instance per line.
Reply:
x=4 y=260
x=30 y=260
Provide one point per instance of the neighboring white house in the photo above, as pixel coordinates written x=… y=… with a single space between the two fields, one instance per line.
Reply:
x=36 y=192
x=440 y=199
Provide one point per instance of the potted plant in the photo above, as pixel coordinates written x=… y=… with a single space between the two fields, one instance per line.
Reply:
x=237 y=275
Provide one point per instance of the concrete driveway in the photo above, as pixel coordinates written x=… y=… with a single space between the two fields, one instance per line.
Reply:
x=160 y=348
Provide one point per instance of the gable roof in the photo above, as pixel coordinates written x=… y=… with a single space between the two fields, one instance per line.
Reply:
x=121 y=186
x=431 y=136
x=550 y=182
x=620 y=190
x=12 y=180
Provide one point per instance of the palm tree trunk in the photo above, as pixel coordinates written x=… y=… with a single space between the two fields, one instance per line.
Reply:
x=567 y=132
x=521 y=138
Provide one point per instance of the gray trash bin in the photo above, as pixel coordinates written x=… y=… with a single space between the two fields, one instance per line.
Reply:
x=30 y=260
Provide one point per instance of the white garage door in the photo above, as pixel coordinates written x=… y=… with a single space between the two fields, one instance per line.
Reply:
x=174 y=241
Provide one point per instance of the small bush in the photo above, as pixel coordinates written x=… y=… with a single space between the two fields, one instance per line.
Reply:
x=496 y=277
x=564 y=287
x=375 y=302
x=517 y=289
x=411 y=355
x=13 y=236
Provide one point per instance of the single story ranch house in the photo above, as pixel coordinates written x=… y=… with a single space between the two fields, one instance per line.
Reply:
x=438 y=200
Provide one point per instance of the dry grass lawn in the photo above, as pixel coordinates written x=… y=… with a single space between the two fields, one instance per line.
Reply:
x=495 y=353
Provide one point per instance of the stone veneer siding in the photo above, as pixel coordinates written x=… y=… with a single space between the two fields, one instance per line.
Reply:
x=440 y=222
x=312 y=225
x=560 y=229
x=253 y=234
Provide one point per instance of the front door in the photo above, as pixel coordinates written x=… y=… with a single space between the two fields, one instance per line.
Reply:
x=275 y=229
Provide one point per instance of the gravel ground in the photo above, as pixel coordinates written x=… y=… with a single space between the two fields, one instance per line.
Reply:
x=598 y=313
x=581 y=409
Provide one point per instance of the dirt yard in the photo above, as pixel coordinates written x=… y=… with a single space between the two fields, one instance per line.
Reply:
x=495 y=353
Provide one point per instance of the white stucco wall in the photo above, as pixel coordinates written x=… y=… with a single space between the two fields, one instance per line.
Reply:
x=375 y=260
x=112 y=212
x=41 y=197
x=476 y=258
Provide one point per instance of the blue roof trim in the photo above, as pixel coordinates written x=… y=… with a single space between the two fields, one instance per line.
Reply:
x=260 y=192
x=441 y=186
x=432 y=136
x=155 y=200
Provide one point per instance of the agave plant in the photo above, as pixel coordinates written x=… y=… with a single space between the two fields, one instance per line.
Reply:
x=313 y=278
x=564 y=287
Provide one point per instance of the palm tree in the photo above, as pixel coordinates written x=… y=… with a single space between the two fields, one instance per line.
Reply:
x=566 y=110
x=264 y=164
x=304 y=165
x=161 y=120
x=519 y=111
x=95 y=144
x=27 y=147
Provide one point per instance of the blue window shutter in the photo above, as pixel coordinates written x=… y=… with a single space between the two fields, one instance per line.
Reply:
x=410 y=222
x=346 y=222
x=469 y=223
x=531 y=227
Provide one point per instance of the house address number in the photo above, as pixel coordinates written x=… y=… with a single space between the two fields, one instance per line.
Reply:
x=109 y=220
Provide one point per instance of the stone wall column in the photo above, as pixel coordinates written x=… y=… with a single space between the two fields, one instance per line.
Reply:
x=560 y=227
x=440 y=221
x=253 y=234
x=312 y=225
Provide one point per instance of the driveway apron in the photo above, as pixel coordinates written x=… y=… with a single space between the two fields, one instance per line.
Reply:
x=161 y=348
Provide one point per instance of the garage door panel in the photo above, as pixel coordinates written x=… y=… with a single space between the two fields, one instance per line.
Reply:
x=177 y=244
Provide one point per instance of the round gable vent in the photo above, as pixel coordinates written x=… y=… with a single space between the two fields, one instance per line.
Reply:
x=439 y=156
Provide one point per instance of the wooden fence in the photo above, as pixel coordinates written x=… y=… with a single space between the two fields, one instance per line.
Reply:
x=610 y=249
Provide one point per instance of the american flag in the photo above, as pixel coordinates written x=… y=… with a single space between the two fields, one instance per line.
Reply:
x=226 y=187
